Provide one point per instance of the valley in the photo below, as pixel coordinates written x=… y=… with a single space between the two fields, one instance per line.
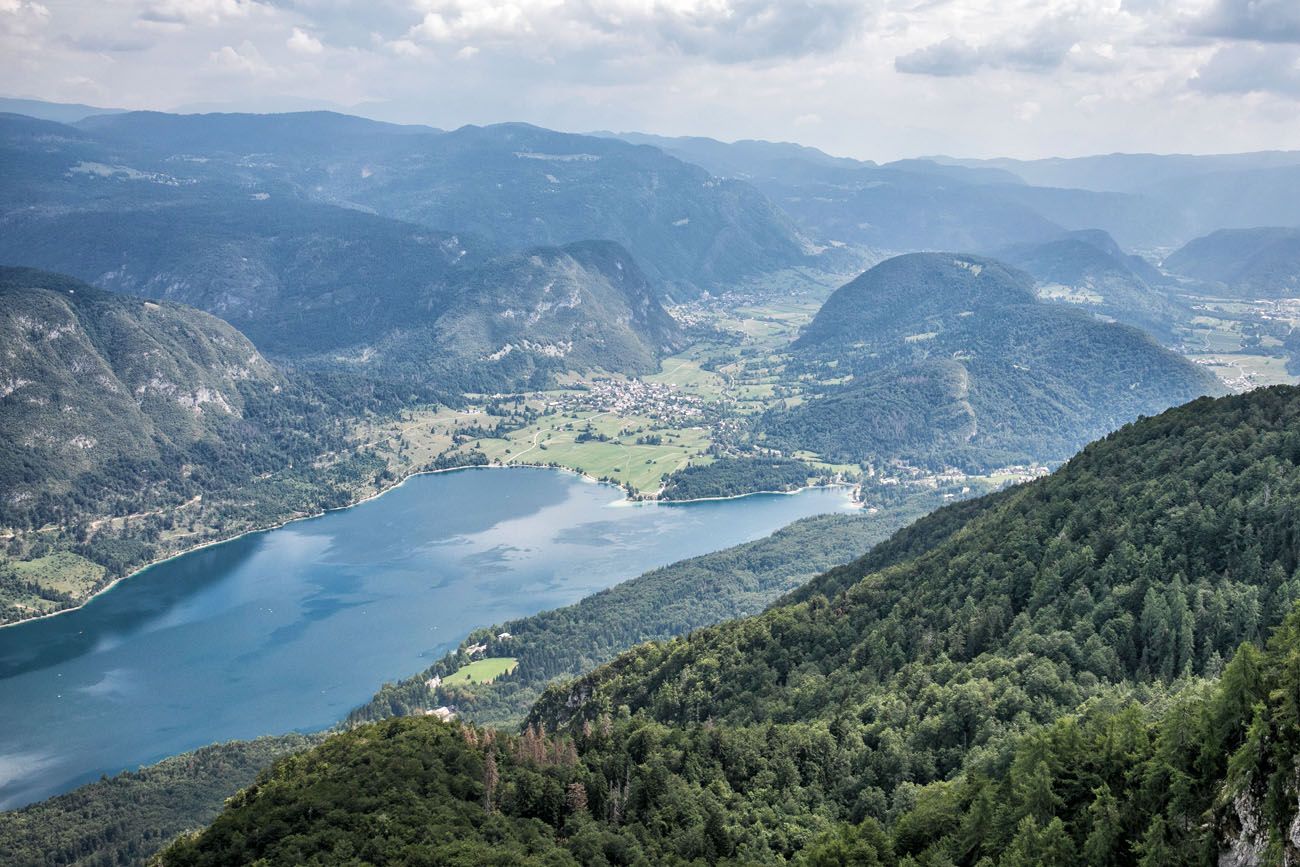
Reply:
x=502 y=495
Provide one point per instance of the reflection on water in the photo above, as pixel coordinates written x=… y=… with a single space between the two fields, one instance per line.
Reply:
x=289 y=629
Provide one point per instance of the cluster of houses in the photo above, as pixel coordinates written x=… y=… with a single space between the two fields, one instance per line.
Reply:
x=625 y=397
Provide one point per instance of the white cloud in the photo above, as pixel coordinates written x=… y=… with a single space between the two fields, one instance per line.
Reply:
x=182 y=12
x=1246 y=68
x=302 y=42
x=245 y=60
x=977 y=76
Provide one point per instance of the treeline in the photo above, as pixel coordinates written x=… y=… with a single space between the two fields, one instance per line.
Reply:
x=732 y=476
x=125 y=819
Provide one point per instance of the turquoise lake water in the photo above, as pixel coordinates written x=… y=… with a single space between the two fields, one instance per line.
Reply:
x=289 y=629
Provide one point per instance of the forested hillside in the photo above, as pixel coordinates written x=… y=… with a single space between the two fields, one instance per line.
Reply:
x=939 y=358
x=1243 y=263
x=515 y=186
x=1017 y=678
x=1088 y=269
x=116 y=410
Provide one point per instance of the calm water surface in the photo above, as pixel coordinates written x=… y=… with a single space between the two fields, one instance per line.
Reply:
x=290 y=629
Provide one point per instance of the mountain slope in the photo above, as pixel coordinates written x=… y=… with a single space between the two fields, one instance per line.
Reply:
x=998 y=680
x=519 y=318
x=1254 y=263
x=1089 y=269
x=91 y=379
x=129 y=428
x=298 y=278
x=939 y=358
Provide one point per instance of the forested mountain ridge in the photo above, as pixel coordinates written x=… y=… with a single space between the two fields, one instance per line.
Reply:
x=1195 y=504
x=91 y=379
x=298 y=278
x=949 y=359
x=1012 y=679
x=1088 y=269
x=520 y=318
x=1243 y=263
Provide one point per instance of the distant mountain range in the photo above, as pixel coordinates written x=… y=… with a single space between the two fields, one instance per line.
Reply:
x=1143 y=200
x=943 y=358
x=513 y=185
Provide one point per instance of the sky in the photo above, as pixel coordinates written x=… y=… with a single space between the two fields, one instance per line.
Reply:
x=874 y=79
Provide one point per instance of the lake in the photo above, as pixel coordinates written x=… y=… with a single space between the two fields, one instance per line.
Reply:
x=289 y=629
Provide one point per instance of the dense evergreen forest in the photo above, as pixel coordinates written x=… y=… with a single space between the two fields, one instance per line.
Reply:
x=729 y=477
x=127 y=818
x=1097 y=667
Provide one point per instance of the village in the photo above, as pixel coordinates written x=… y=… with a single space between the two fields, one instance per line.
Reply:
x=633 y=397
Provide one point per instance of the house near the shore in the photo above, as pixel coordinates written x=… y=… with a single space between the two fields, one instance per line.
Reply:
x=475 y=648
x=505 y=636
x=433 y=683
x=444 y=713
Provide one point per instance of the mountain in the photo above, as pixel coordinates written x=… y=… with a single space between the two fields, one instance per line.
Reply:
x=1089 y=269
x=515 y=185
x=61 y=112
x=384 y=298
x=1127 y=173
x=94 y=382
x=1252 y=263
x=298 y=278
x=1066 y=672
x=746 y=159
x=518 y=318
x=942 y=358
x=905 y=205
x=129 y=428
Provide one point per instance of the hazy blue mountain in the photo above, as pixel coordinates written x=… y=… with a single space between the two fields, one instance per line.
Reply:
x=515 y=185
x=1088 y=268
x=749 y=158
x=1257 y=263
x=296 y=277
x=515 y=320
x=942 y=358
x=62 y=112
x=1129 y=173
x=906 y=205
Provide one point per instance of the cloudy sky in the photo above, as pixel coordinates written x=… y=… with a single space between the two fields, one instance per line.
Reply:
x=875 y=79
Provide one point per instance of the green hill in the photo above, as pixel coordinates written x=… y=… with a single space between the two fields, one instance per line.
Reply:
x=1088 y=269
x=942 y=358
x=1247 y=263
x=1054 y=674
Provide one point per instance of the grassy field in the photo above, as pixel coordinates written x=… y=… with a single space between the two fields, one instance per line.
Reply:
x=554 y=440
x=482 y=670
x=60 y=572
x=1243 y=371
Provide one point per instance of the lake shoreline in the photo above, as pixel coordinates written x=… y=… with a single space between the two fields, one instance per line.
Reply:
x=628 y=499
